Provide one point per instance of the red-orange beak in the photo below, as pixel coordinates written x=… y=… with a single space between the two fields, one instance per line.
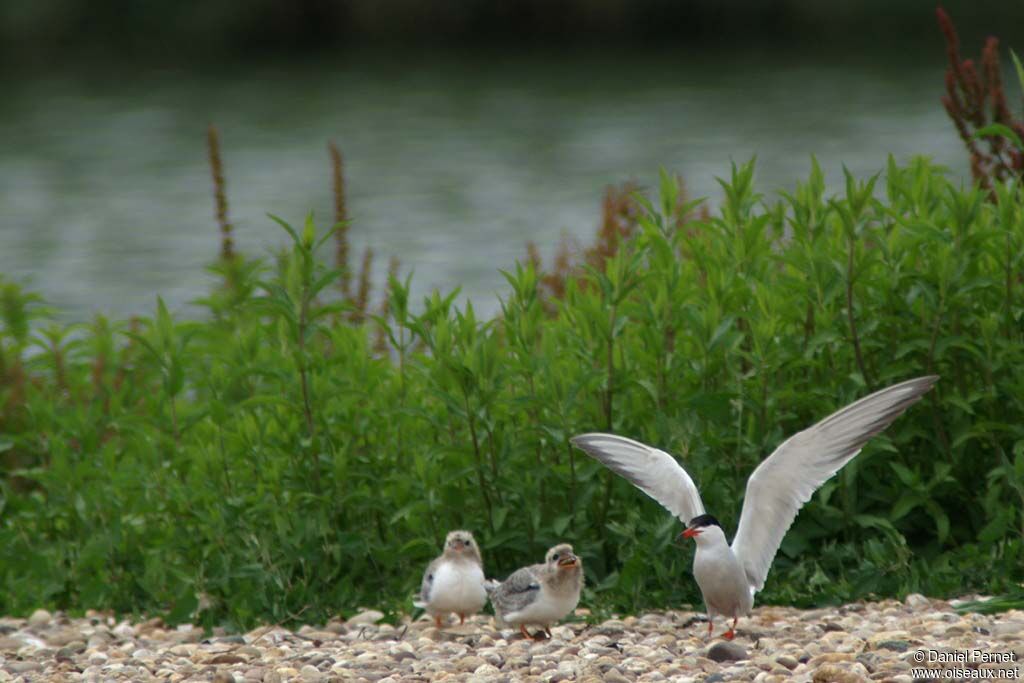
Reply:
x=691 y=532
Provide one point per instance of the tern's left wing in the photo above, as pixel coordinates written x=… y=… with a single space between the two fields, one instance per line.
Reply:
x=517 y=591
x=788 y=478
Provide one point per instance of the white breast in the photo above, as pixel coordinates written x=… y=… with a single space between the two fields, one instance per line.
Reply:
x=458 y=587
x=548 y=608
x=722 y=582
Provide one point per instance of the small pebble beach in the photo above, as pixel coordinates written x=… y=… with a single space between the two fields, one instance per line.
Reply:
x=879 y=641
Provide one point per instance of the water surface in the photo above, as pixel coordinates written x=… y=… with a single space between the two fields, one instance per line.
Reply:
x=452 y=165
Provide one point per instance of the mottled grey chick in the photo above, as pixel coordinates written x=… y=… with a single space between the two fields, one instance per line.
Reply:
x=454 y=582
x=540 y=594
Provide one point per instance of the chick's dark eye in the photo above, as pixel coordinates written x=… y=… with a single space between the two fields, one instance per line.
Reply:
x=555 y=556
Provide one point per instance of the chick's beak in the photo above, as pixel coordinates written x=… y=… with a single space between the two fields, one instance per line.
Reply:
x=567 y=562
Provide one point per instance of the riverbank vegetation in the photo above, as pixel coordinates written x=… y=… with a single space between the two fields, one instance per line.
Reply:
x=289 y=456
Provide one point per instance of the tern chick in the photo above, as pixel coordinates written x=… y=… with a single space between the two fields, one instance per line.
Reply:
x=541 y=594
x=454 y=581
x=729 y=576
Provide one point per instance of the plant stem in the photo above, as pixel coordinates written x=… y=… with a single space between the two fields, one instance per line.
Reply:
x=307 y=405
x=479 y=463
x=850 y=316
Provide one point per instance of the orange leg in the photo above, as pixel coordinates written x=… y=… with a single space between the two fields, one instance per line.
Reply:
x=526 y=634
x=462 y=619
x=710 y=626
x=731 y=633
x=437 y=620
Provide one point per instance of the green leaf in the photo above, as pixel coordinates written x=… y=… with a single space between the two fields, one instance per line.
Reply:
x=289 y=229
x=941 y=520
x=999 y=130
x=1019 y=68
x=910 y=478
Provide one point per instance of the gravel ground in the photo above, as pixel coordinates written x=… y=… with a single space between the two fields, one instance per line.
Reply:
x=872 y=641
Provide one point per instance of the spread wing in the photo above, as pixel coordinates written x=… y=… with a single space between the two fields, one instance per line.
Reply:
x=517 y=591
x=654 y=472
x=428 y=582
x=788 y=478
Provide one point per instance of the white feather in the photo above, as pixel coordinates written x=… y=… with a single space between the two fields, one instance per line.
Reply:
x=654 y=472
x=788 y=478
x=458 y=587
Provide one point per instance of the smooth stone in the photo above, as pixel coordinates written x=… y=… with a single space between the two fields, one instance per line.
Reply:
x=311 y=673
x=830 y=673
x=917 y=601
x=224 y=677
x=787 y=661
x=1007 y=628
x=830 y=658
x=613 y=675
x=471 y=663
x=8 y=644
x=894 y=645
x=365 y=618
x=39 y=618
x=725 y=651
x=883 y=636
x=227 y=658
x=124 y=630
x=22 y=667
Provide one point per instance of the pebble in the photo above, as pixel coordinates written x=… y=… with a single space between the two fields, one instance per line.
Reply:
x=846 y=644
x=369 y=616
x=726 y=651
x=39 y=618
x=917 y=601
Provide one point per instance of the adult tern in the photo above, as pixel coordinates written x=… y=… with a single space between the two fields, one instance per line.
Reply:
x=729 y=576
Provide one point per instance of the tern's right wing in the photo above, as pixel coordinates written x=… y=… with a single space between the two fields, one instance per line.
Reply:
x=654 y=472
x=423 y=599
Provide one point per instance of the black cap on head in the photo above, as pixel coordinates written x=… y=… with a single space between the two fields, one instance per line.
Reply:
x=704 y=520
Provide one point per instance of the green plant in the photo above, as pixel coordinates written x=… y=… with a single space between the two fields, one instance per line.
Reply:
x=274 y=462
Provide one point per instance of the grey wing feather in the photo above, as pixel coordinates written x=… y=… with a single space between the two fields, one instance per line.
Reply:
x=423 y=599
x=788 y=478
x=654 y=472
x=517 y=591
